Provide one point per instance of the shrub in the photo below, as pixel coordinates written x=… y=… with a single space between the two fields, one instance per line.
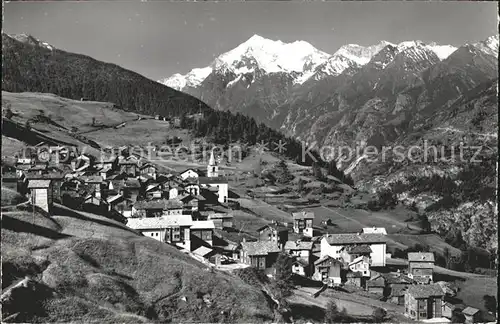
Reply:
x=379 y=314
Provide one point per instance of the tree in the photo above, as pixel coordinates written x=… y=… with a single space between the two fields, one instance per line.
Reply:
x=457 y=317
x=490 y=303
x=379 y=315
x=281 y=173
x=332 y=312
x=316 y=169
x=93 y=121
x=258 y=168
x=8 y=113
x=27 y=125
x=282 y=283
x=300 y=185
x=447 y=255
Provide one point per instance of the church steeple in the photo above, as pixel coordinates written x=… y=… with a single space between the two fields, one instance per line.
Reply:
x=212 y=168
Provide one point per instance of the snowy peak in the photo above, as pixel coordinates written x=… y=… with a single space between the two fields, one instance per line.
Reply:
x=271 y=56
x=442 y=51
x=489 y=46
x=192 y=79
x=361 y=54
x=28 y=39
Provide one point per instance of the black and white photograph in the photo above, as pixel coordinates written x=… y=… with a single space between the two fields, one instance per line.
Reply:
x=249 y=162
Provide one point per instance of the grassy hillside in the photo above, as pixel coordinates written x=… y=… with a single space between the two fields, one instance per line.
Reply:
x=84 y=267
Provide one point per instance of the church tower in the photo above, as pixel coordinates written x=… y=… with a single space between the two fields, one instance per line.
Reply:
x=212 y=168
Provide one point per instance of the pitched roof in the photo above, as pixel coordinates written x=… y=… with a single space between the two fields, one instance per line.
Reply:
x=205 y=224
x=303 y=215
x=326 y=257
x=357 y=260
x=377 y=281
x=113 y=198
x=38 y=183
x=470 y=311
x=202 y=251
x=148 y=164
x=301 y=261
x=275 y=227
x=92 y=179
x=359 y=249
x=260 y=247
x=397 y=278
x=421 y=256
x=163 y=204
x=159 y=222
x=353 y=238
x=425 y=291
x=298 y=245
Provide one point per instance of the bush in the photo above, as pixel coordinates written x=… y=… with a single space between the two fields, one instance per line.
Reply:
x=490 y=303
x=379 y=314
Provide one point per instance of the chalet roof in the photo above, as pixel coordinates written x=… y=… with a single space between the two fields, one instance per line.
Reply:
x=260 y=247
x=326 y=257
x=357 y=260
x=113 y=198
x=425 y=291
x=397 y=278
x=359 y=249
x=152 y=186
x=148 y=164
x=206 y=224
x=354 y=238
x=202 y=251
x=470 y=311
x=298 y=245
x=163 y=204
x=421 y=257
x=39 y=184
x=190 y=169
x=275 y=227
x=377 y=281
x=303 y=215
x=301 y=261
x=39 y=167
x=159 y=222
x=212 y=180
x=92 y=179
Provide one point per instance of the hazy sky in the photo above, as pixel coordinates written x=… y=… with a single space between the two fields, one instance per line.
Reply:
x=158 y=39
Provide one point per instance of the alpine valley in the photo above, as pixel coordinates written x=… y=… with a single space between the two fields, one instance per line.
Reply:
x=383 y=95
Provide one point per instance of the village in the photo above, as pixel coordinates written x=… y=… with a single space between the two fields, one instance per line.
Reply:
x=192 y=211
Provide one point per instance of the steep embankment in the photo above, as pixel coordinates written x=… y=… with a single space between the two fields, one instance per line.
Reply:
x=84 y=267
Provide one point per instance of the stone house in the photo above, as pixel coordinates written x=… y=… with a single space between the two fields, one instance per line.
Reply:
x=424 y=301
x=421 y=266
x=260 y=254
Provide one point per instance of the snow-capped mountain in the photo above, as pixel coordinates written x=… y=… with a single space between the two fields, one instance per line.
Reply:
x=28 y=39
x=361 y=54
x=489 y=46
x=192 y=79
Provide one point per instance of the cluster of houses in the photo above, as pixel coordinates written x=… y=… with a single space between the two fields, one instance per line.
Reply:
x=190 y=211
